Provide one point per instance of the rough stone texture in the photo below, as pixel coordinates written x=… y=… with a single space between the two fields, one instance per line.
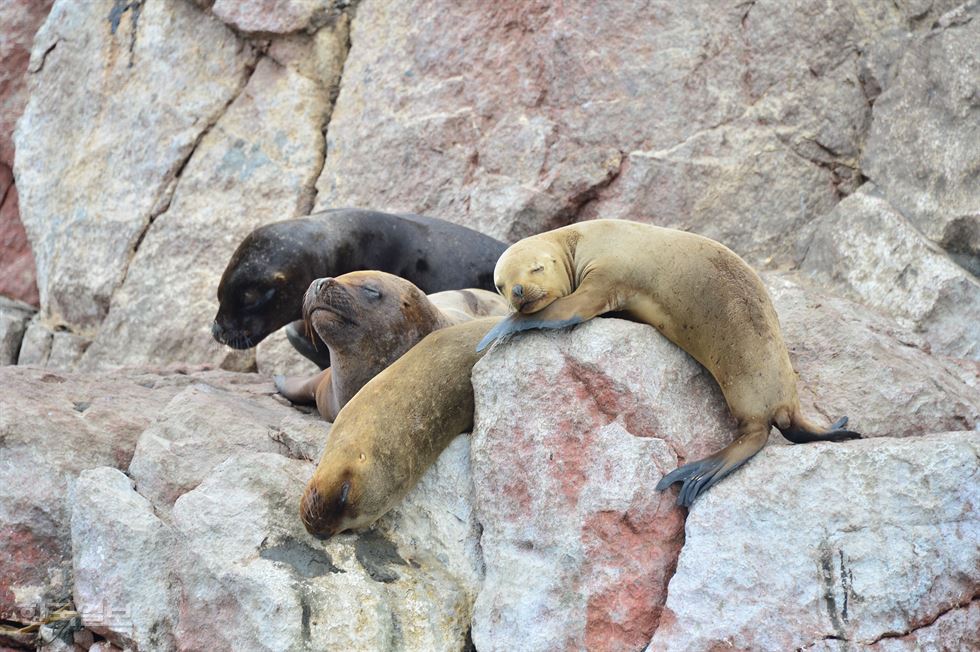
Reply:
x=922 y=146
x=873 y=538
x=17 y=276
x=229 y=566
x=203 y=426
x=281 y=589
x=275 y=355
x=20 y=20
x=563 y=488
x=111 y=521
x=36 y=345
x=869 y=250
x=858 y=362
x=52 y=427
x=14 y=317
x=191 y=242
x=740 y=122
x=275 y=16
x=122 y=164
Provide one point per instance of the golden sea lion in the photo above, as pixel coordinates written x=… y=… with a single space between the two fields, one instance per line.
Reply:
x=386 y=437
x=367 y=320
x=695 y=291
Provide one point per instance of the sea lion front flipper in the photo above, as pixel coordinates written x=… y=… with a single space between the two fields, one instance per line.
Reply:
x=301 y=391
x=317 y=354
x=698 y=477
x=516 y=322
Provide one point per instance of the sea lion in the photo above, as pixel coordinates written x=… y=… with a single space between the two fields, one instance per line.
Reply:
x=367 y=320
x=385 y=438
x=695 y=291
x=262 y=287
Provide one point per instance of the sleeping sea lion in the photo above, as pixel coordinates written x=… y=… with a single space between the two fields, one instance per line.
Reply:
x=386 y=437
x=262 y=287
x=367 y=320
x=696 y=292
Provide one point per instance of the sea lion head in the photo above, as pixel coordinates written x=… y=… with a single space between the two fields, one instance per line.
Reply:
x=337 y=496
x=262 y=287
x=531 y=274
x=368 y=311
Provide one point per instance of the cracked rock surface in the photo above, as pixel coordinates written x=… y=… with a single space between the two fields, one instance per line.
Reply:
x=833 y=145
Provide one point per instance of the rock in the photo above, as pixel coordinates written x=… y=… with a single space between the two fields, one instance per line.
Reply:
x=100 y=167
x=17 y=275
x=921 y=150
x=202 y=426
x=268 y=585
x=35 y=348
x=742 y=123
x=276 y=17
x=165 y=307
x=275 y=355
x=20 y=21
x=872 y=538
x=858 y=362
x=870 y=251
x=53 y=426
x=110 y=521
x=563 y=489
x=578 y=547
x=14 y=317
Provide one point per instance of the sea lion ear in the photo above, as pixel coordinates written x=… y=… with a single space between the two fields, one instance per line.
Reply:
x=344 y=493
x=279 y=277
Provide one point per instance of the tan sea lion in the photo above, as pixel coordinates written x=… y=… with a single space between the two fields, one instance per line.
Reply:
x=367 y=320
x=393 y=430
x=695 y=291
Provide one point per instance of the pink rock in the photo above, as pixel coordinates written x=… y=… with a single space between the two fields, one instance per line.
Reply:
x=20 y=20
x=18 y=278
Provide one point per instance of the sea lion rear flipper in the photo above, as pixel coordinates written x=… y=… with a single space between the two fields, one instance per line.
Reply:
x=516 y=322
x=301 y=391
x=697 y=477
x=801 y=432
x=319 y=354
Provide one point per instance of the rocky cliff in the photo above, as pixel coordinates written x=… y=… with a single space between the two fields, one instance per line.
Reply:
x=835 y=146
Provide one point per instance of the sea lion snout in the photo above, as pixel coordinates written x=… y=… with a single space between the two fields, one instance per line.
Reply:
x=518 y=291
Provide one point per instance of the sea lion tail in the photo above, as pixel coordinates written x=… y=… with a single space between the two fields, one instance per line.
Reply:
x=800 y=431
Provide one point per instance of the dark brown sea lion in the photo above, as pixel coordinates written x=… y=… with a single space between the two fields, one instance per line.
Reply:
x=695 y=291
x=386 y=437
x=262 y=287
x=367 y=320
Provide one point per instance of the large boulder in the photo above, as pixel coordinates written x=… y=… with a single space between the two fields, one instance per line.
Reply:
x=922 y=147
x=741 y=122
x=231 y=566
x=870 y=540
x=53 y=427
x=20 y=20
x=871 y=252
x=190 y=244
x=574 y=429
x=107 y=132
x=229 y=137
